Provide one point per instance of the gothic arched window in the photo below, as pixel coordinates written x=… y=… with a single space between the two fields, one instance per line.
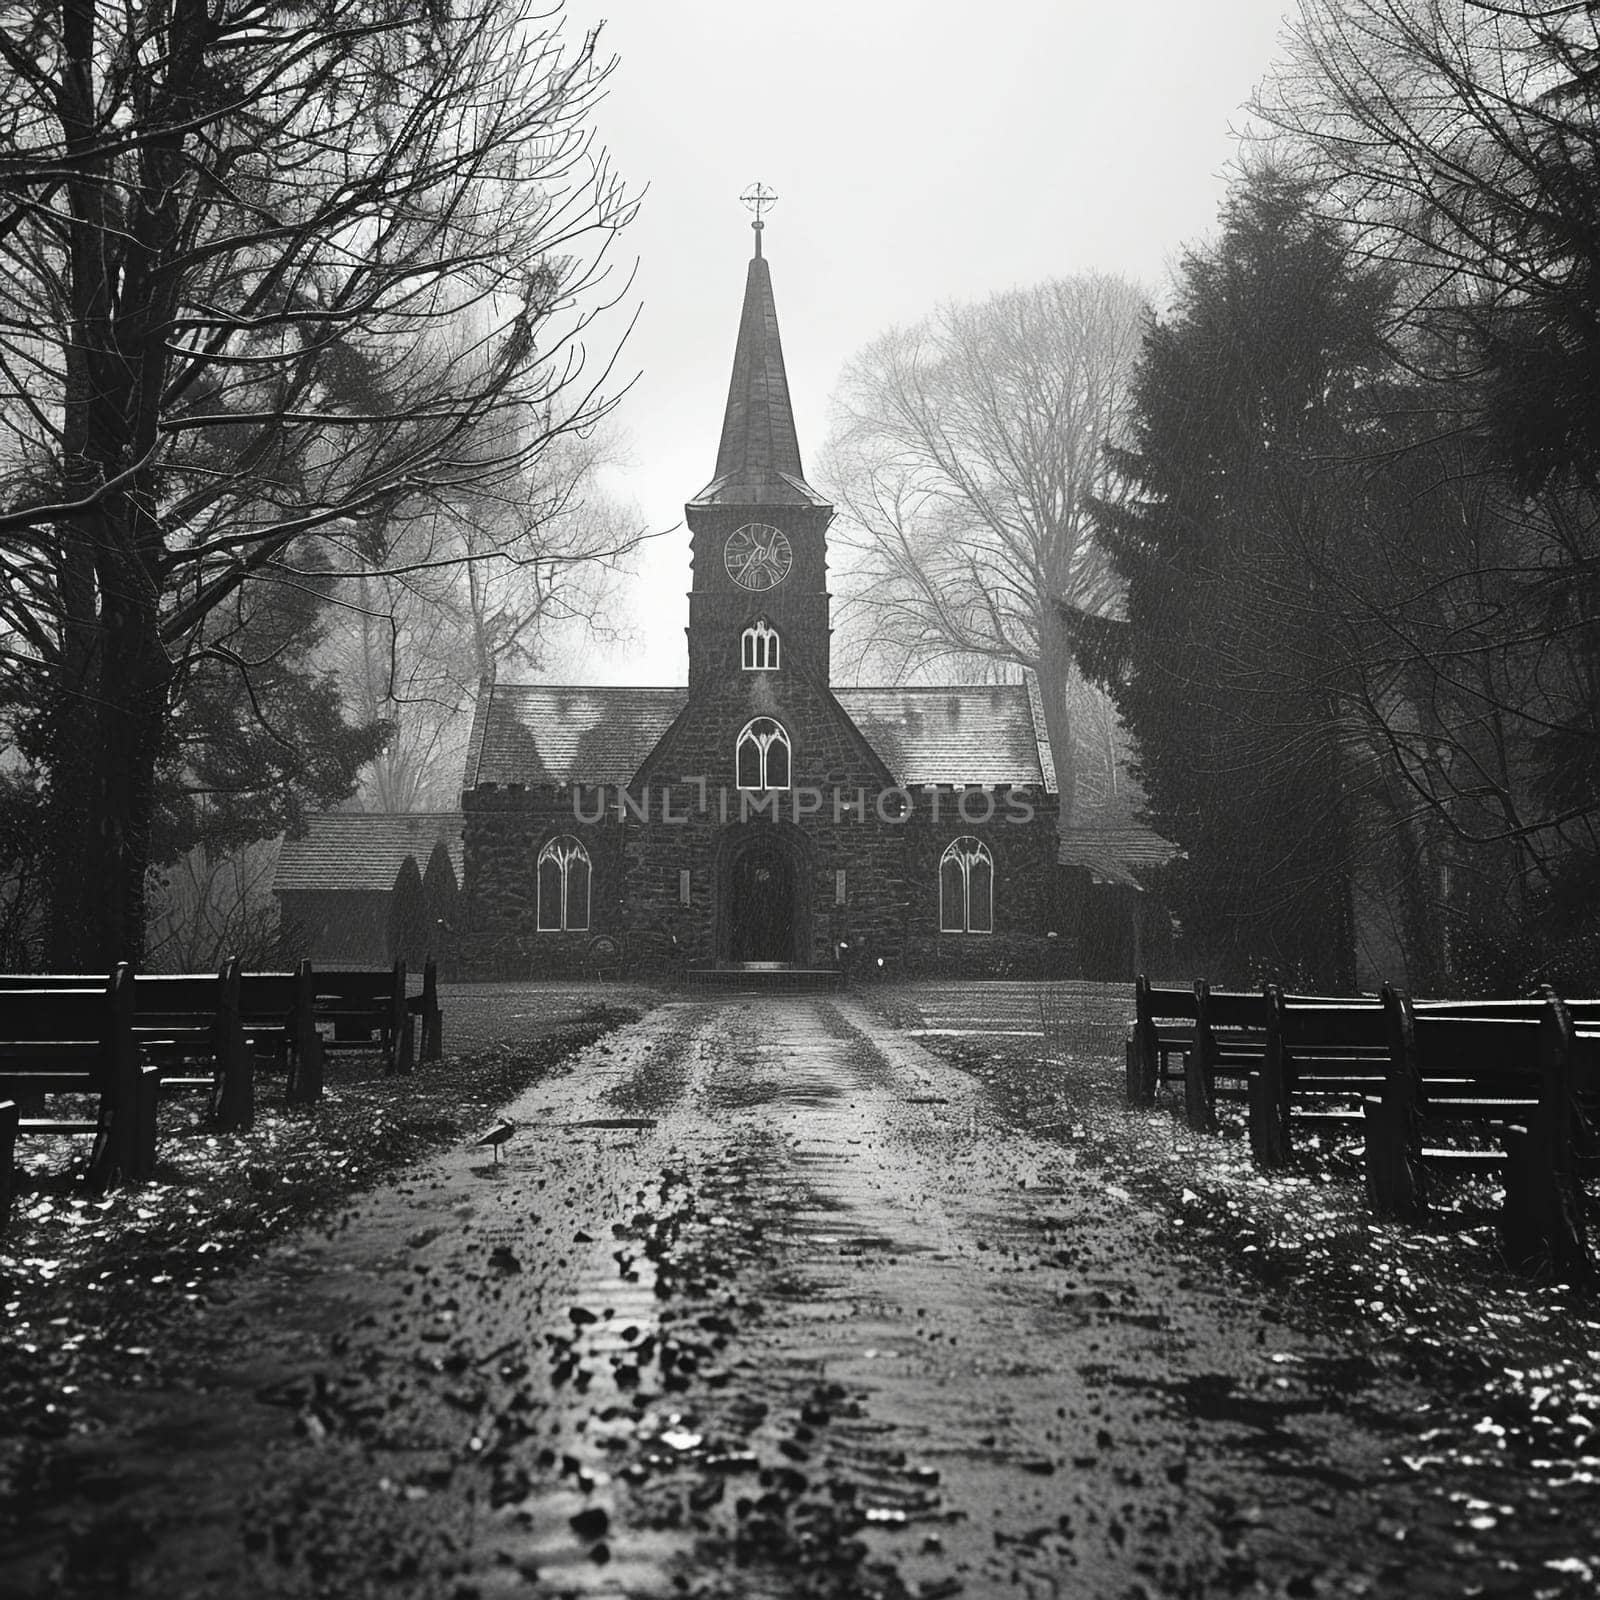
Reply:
x=563 y=886
x=760 y=647
x=761 y=757
x=966 y=887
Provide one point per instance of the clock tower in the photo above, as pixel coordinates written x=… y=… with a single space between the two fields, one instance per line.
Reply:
x=758 y=530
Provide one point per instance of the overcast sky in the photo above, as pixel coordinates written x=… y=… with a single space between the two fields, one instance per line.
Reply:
x=923 y=150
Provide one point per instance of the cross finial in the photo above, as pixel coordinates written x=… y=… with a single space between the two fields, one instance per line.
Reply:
x=758 y=197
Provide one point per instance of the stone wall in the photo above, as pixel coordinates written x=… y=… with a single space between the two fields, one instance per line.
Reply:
x=1026 y=885
x=887 y=922
x=828 y=749
x=504 y=829
x=719 y=610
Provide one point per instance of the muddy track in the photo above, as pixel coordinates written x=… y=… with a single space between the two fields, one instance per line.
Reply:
x=759 y=1303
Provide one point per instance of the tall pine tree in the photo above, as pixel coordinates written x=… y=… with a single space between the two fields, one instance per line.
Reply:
x=1234 y=657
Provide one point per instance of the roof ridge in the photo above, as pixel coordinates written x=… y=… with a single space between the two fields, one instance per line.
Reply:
x=920 y=688
x=1041 y=730
x=480 y=722
x=598 y=688
x=373 y=816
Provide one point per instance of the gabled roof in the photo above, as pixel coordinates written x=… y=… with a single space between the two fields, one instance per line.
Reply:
x=758 y=459
x=540 y=733
x=1114 y=855
x=544 y=734
x=364 y=849
x=965 y=733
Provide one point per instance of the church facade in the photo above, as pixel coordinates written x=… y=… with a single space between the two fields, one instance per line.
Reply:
x=759 y=814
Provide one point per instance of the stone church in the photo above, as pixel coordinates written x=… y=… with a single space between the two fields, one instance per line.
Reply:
x=761 y=815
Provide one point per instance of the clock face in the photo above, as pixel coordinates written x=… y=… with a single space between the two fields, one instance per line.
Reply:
x=757 y=556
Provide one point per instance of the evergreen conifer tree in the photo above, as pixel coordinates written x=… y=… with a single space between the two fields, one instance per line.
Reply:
x=408 y=917
x=1234 y=659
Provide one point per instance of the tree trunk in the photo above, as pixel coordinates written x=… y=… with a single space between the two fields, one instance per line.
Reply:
x=133 y=722
x=110 y=700
x=108 y=721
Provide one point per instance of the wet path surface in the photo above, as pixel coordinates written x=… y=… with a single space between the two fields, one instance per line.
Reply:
x=755 y=1304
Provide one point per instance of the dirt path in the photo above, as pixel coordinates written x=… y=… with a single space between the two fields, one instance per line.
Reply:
x=756 y=1304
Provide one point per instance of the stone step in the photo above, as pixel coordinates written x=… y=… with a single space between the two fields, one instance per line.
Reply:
x=765 y=977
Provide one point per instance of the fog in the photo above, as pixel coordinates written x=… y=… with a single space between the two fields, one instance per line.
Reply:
x=921 y=151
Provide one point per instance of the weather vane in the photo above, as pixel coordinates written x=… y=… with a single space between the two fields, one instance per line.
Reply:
x=758 y=197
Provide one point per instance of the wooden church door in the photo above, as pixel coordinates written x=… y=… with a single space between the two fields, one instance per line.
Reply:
x=761 y=905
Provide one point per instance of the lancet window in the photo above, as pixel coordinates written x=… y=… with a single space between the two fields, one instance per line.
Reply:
x=760 y=647
x=966 y=887
x=761 y=757
x=564 y=878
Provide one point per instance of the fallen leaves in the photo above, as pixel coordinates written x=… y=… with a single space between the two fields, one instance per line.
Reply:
x=94 y=1281
x=1435 y=1305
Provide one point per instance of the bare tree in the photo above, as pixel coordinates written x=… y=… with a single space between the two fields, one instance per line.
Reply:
x=521 y=586
x=228 y=233
x=963 y=454
x=1457 y=137
x=206 y=907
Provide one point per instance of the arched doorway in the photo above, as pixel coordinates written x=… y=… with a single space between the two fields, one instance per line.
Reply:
x=762 y=901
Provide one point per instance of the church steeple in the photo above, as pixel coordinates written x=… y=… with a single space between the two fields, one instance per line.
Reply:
x=758 y=458
x=758 y=530
x=758 y=435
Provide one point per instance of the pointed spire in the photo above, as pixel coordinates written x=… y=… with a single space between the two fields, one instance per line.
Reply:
x=758 y=435
x=758 y=459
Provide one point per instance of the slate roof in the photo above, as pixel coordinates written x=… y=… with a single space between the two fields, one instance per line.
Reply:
x=364 y=850
x=964 y=733
x=541 y=733
x=1114 y=855
x=1040 y=732
x=546 y=734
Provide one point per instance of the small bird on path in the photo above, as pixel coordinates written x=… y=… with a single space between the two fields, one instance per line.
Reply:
x=497 y=1136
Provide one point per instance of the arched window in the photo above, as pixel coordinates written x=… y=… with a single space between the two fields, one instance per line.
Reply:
x=760 y=647
x=966 y=887
x=563 y=886
x=761 y=757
